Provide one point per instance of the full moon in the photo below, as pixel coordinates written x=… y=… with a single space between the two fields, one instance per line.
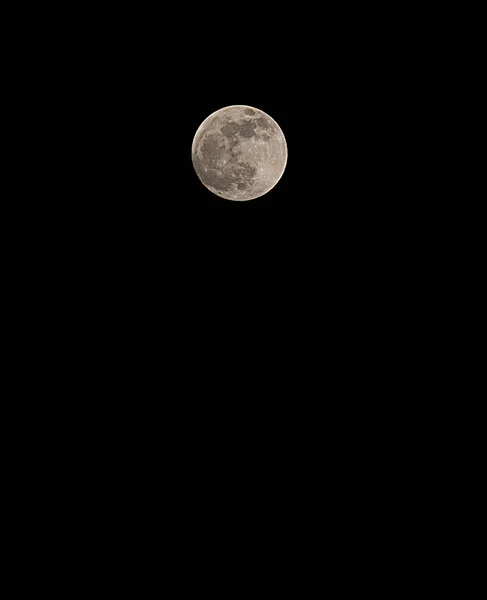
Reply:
x=239 y=153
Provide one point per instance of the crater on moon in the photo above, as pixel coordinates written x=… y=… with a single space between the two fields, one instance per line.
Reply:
x=239 y=153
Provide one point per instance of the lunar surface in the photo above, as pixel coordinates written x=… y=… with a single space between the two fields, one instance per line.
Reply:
x=239 y=153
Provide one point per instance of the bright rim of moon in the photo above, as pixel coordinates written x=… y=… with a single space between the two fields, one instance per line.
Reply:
x=239 y=153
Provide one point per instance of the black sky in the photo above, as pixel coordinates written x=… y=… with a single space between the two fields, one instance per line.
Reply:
x=323 y=246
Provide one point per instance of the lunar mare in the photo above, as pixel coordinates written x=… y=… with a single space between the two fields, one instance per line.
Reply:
x=239 y=153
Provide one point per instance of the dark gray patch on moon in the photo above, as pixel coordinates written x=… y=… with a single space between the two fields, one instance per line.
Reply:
x=262 y=122
x=218 y=181
x=244 y=128
x=212 y=150
x=249 y=111
x=247 y=128
x=230 y=129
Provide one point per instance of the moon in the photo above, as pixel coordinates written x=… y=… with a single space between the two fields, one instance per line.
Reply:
x=239 y=153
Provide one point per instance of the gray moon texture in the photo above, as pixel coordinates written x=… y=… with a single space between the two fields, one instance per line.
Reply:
x=239 y=153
